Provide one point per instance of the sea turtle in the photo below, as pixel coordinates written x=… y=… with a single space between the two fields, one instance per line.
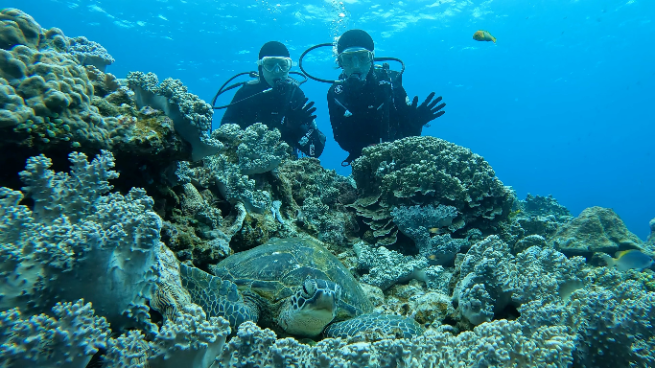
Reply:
x=292 y=285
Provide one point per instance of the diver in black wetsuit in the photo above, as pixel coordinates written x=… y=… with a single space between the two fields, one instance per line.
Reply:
x=368 y=105
x=276 y=100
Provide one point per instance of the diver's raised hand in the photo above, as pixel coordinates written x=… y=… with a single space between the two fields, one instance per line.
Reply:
x=428 y=110
x=303 y=113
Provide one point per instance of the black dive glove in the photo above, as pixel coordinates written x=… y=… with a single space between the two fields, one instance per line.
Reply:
x=302 y=114
x=428 y=110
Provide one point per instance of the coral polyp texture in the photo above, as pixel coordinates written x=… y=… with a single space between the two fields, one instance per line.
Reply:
x=428 y=171
x=56 y=97
x=119 y=211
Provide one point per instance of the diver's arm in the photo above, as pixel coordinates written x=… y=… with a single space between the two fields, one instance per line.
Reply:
x=299 y=128
x=348 y=132
x=409 y=126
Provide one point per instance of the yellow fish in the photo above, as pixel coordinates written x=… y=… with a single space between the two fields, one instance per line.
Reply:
x=628 y=259
x=483 y=36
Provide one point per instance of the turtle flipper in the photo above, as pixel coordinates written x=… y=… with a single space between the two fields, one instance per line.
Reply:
x=374 y=326
x=217 y=297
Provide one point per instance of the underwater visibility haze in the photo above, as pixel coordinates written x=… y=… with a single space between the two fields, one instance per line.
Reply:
x=517 y=231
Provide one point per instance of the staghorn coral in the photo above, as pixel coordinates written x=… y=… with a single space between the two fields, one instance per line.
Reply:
x=79 y=241
x=424 y=171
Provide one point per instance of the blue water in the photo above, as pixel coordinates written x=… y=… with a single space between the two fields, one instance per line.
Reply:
x=562 y=105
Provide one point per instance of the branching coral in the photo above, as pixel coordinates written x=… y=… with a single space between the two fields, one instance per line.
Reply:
x=79 y=241
x=69 y=338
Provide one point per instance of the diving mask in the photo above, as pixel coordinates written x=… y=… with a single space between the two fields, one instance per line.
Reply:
x=276 y=64
x=355 y=57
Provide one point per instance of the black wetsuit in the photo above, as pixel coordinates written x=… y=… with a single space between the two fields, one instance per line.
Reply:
x=376 y=112
x=271 y=108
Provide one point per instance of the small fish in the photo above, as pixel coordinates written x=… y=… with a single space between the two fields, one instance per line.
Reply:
x=435 y=230
x=515 y=213
x=483 y=36
x=628 y=259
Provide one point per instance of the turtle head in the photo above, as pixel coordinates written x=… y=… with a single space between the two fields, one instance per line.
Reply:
x=311 y=308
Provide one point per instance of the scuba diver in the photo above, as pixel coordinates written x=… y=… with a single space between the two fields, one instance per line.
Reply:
x=275 y=99
x=368 y=104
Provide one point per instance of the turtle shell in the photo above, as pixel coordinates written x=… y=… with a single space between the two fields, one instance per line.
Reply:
x=275 y=270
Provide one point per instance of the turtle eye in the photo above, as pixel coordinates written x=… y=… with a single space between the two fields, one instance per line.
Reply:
x=308 y=288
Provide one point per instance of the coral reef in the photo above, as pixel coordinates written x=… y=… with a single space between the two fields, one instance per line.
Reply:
x=596 y=229
x=544 y=207
x=78 y=242
x=428 y=171
x=89 y=53
x=435 y=262
x=317 y=199
x=73 y=334
x=192 y=117
x=384 y=267
x=491 y=278
x=53 y=101
x=499 y=343
x=418 y=222
x=537 y=215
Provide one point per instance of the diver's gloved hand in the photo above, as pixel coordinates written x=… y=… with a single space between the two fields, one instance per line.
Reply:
x=303 y=113
x=428 y=110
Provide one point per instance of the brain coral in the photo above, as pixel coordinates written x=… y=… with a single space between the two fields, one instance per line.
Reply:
x=428 y=170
